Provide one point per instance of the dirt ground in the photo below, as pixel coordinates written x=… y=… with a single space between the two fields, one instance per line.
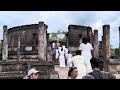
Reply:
x=63 y=72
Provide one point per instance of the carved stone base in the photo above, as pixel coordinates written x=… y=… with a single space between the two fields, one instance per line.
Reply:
x=17 y=70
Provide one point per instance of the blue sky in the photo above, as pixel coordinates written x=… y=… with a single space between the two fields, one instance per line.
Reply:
x=59 y=20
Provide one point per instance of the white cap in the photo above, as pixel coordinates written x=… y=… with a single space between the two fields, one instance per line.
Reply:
x=31 y=71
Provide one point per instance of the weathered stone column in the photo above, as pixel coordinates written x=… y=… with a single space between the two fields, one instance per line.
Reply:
x=80 y=37
x=47 y=38
x=42 y=41
x=67 y=40
x=95 y=46
x=119 y=41
x=89 y=33
x=1 y=46
x=18 y=49
x=46 y=41
x=102 y=45
x=106 y=46
x=5 y=43
x=34 y=39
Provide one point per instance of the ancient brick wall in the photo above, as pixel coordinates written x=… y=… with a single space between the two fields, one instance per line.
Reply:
x=28 y=34
x=74 y=32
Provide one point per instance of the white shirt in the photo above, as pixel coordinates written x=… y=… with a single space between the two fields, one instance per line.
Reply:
x=79 y=62
x=53 y=45
x=66 y=50
x=63 y=47
x=59 y=48
x=86 y=49
x=62 y=53
x=69 y=56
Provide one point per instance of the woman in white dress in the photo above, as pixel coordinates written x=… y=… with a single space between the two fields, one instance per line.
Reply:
x=63 y=46
x=57 y=54
x=62 y=58
x=59 y=49
x=86 y=49
x=69 y=56
x=66 y=52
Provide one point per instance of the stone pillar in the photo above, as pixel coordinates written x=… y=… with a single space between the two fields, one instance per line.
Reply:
x=95 y=46
x=34 y=39
x=67 y=40
x=42 y=41
x=47 y=38
x=46 y=41
x=89 y=34
x=18 y=49
x=5 y=43
x=119 y=41
x=102 y=45
x=80 y=38
x=106 y=46
x=1 y=46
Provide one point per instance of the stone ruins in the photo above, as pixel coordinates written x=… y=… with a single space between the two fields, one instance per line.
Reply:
x=23 y=48
x=27 y=46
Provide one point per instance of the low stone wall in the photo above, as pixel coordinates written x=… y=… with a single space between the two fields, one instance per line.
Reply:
x=114 y=64
x=17 y=70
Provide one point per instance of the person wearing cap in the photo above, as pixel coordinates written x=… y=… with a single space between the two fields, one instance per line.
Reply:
x=32 y=74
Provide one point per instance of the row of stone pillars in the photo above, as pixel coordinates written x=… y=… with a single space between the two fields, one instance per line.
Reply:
x=42 y=43
x=95 y=43
x=93 y=37
x=105 y=46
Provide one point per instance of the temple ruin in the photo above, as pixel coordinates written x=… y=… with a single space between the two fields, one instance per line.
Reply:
x=25 y=47
x=101 y=49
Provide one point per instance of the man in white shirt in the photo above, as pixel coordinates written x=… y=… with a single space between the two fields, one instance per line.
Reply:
x=79 y=62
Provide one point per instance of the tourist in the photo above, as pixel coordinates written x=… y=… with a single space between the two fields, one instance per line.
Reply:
x=69 y=56
x=57 y=54
x=66 y=51
x=72 y=73
x=96 y=73
x=63 y=46
x=79 y=62
x=59 y=48
x=53 y=50
x=88 y=77
x=86 y=49
x=57 y=44
x=62 y=58
x=32 y=74
x=112 y=76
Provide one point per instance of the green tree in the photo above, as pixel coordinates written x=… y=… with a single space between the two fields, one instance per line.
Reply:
x=59 y=35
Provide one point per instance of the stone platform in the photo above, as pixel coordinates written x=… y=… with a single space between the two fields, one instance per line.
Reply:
x=18 y=69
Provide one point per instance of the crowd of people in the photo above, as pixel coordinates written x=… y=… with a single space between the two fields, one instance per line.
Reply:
x=61 y=54
x=81 y=66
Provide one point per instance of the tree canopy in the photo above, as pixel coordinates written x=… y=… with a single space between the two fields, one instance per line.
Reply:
x=59 y=35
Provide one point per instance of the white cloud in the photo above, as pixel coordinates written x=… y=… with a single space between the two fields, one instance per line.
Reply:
x=59 y=20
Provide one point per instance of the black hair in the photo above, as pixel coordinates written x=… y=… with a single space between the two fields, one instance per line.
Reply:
x=85 y=40
x=61 y=49
x=78 y=52
x=68 y=52
x=95 y=62
x=71 y=70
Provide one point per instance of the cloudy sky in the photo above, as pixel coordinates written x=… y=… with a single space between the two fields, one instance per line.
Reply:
x=59 y=20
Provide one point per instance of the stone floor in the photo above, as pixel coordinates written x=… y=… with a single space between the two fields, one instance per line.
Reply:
x=63 y=72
